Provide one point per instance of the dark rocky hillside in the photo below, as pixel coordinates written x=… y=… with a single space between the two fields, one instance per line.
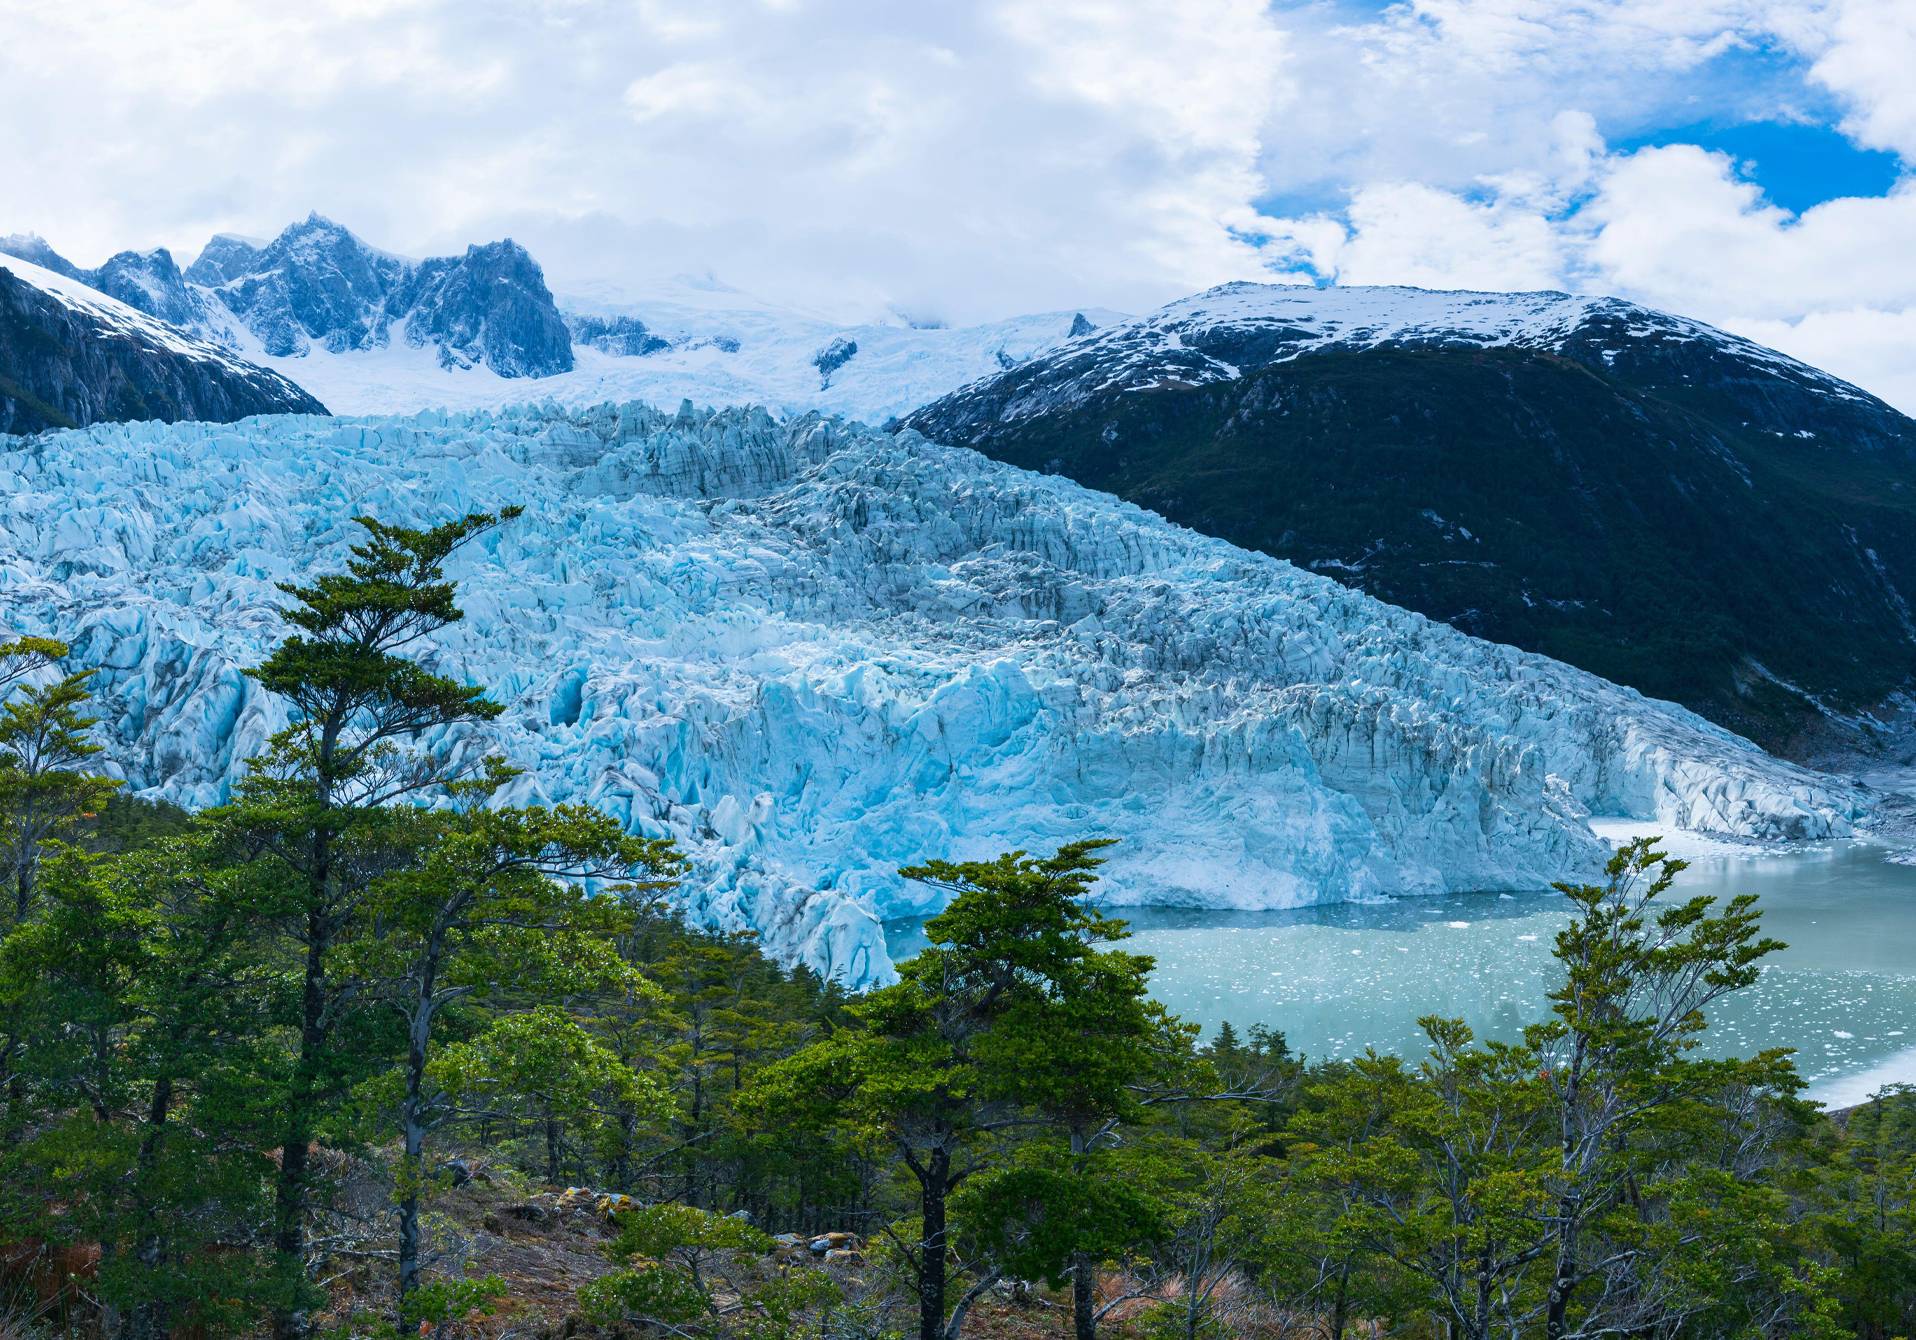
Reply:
x=71 y=357
x=1646 y=498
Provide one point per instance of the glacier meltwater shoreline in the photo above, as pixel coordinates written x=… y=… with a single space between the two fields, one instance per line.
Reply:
x=813 y=652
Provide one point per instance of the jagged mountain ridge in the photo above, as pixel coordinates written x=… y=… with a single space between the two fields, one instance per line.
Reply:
x=71 y=356
x=371 y=332
x=813 y=651
x=319 y=286
x=1659 y=502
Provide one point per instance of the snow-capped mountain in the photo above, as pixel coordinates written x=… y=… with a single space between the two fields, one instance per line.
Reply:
x=1225 y=333
x=1662 y=503
x=371 y=332
x=71 y=355
x=813 y=651
x=695 y=338
x=318 y=286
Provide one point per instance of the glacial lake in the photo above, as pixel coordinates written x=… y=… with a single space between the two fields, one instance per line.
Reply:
x=1338 y=979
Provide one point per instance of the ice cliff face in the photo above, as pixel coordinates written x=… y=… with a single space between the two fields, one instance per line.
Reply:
x=812 y=652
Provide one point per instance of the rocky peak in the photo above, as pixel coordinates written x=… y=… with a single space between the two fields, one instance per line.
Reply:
x=316 y=281
x=225 y=258
x=490 y=305
x=150 y=282
x=34 y=248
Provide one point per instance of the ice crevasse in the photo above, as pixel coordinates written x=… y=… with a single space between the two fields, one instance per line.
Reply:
x=812 y=652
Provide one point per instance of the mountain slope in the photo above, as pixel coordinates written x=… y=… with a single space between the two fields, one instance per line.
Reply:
x=71 y=356
x=1640 y=495
x=813 y=652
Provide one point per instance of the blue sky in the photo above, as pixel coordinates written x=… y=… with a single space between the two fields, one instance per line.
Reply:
x=1797 y=164
x=1741 y=161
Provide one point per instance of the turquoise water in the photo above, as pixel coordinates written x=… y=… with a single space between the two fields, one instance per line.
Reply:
x=1338 y=979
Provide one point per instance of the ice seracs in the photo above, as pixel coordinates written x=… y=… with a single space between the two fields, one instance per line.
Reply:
x=813 y=652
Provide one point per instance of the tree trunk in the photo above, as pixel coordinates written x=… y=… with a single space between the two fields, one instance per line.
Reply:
x=618 y=1169
x=955 y=1327
x=1084 y=1276
x=1570 y=1208
x=1558 y=1307
x=412 y=1120
x=148 y=1320
x=1340 y=1304
x=23 y=884
x=295 y=1155
x=934 y=1186
x=1084 y=1297
x=552 y=1148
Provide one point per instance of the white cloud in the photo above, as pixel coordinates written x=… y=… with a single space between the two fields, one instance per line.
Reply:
x=973 y=160
x=1676 y=226
x=967 y=160
x=1864 y=52
x=1868 y=346
x=1406 y=233
x=1469 y=179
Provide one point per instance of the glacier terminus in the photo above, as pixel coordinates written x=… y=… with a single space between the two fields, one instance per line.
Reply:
x=813 y=651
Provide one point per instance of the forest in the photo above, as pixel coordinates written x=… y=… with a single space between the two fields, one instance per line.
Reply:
x=366 y=1051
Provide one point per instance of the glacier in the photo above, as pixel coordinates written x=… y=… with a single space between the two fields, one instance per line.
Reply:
x=811 y=651
x=721 y=347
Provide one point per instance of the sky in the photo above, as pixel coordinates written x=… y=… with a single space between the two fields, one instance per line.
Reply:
x=1746 y=162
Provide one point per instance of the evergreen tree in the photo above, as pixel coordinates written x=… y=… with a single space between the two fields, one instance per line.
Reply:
x=1616 y=1059
x=938 y=1064
x=1861 y=1183
x=491 y=903
x=143 y=994
x=551 y=1062
x=24 y=657
x=681 y=1274
x=45 y=790
x=317 y=803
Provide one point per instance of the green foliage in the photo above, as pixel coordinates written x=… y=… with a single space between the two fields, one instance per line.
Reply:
x=689 y=1270
x=444 y=1301
x=45 y=787
x=139 y=1000
x=685 y=1232
x=343 y=667
x=25 y=656
x=126 y=823
x=1036 y=1217
x=192 y=1005
x=1861 y=1183
x=548 y=1058
x=1013 y=1021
